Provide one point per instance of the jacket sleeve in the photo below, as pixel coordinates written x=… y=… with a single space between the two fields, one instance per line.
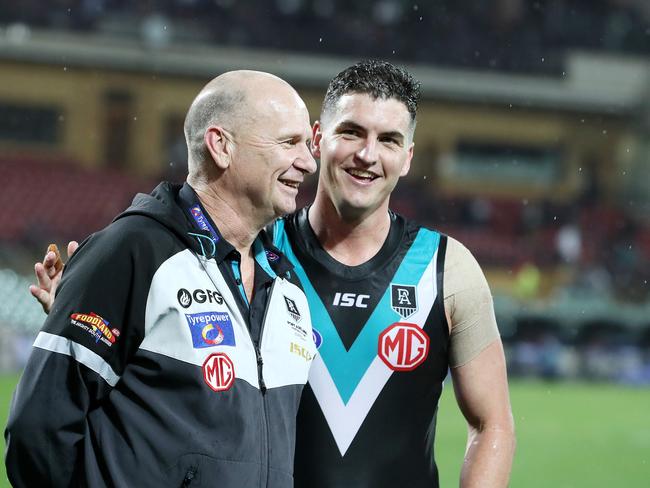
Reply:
x=95 y=325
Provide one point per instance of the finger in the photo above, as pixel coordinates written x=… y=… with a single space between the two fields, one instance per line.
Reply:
x=43 y=278
x=72 y=248
x=49 y=264
x=58 y=264
x=41 y=295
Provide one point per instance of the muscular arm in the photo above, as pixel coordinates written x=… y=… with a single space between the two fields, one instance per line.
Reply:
x=482 y=393
x=478 y=372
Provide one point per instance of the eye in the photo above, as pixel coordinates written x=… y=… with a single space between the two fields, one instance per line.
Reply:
x=390 y=140
x=349 y=132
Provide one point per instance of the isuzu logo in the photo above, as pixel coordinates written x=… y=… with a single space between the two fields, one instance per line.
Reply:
x=219 y=372
x=403 y=346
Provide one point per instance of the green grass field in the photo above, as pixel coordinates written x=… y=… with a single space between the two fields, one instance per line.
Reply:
x=568 y=435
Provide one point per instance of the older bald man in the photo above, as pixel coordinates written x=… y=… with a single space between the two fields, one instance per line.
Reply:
x=117 y=392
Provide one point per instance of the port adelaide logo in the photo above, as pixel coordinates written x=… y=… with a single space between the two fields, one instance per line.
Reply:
x=292 y=308
x=403 y=300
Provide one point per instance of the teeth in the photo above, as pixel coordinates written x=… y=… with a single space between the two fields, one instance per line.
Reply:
x=361 y=173
x=292 y=184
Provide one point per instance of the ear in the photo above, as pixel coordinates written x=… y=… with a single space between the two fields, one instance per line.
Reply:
x=218 y=145
x=316 y=138
x=407 y=163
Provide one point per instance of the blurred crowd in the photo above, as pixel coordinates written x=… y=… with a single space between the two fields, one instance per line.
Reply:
x=510 y=35
x=604 y=248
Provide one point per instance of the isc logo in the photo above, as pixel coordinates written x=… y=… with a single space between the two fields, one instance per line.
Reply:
x=350 y=300
x=219 y=372
x=403 y=346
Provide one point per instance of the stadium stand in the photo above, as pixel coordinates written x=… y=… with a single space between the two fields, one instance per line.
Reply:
x=570 y=273
x=462 y=33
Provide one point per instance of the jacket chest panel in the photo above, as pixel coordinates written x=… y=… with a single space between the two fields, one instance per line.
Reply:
x=192 y=316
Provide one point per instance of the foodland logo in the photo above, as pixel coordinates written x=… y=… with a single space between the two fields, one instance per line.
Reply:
x=97 y=323
x=403 y=346
x=219 y=371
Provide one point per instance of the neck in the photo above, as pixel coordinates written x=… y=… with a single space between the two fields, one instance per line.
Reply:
x=231 y=221
x=350 y=239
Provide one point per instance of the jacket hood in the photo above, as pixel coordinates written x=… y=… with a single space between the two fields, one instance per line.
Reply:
x=163 y=206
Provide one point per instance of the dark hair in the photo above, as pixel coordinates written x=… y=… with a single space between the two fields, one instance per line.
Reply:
x=379 y=79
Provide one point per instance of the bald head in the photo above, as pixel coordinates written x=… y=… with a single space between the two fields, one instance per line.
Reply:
x=231 y=100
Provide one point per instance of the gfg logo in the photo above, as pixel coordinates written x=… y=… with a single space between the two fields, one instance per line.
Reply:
x=219 y=372
x=185 y=298
x=403 y=346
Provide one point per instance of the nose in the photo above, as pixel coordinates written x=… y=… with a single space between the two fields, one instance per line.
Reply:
x=305 y=161
x=368 y=152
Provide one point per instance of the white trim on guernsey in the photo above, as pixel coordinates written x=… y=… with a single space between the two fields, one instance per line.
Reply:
x=81 y=354
x=345 y=420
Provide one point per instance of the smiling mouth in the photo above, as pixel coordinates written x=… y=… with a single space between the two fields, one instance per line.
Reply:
x=360 y=174
x=290 y=183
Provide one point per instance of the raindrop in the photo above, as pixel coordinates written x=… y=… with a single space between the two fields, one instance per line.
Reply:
x=542 y=60
x=164 y=27
x=65 y=68
x=424 y=177
x=555 y=217
x=135 y=118
x=604 y=131
x=320 y=39
x=415 y=7
x=582 y=121
x=420 y=18
x=393 y=51
x=627 y=149
x=579 y=170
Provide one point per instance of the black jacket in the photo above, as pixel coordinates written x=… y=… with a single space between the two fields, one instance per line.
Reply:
x=145 y=372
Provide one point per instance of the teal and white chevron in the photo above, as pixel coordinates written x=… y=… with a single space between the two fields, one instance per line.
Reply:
x=346 y=383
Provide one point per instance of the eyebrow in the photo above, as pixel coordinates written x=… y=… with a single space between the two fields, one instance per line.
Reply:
x=348 y=124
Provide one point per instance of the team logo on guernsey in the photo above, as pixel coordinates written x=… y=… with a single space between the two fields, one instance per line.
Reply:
x=292 y=308
x=403 y=346
x=210 y=329
x=96 y=326
x=219 y=371
x=403 y=299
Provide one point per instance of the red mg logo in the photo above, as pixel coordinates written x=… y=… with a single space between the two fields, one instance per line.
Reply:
x=403 y=346
x=218 y=371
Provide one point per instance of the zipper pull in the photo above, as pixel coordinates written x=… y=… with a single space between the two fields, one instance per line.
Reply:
x=260 y=363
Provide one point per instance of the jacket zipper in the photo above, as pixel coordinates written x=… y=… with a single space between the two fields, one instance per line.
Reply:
x=264 y=476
